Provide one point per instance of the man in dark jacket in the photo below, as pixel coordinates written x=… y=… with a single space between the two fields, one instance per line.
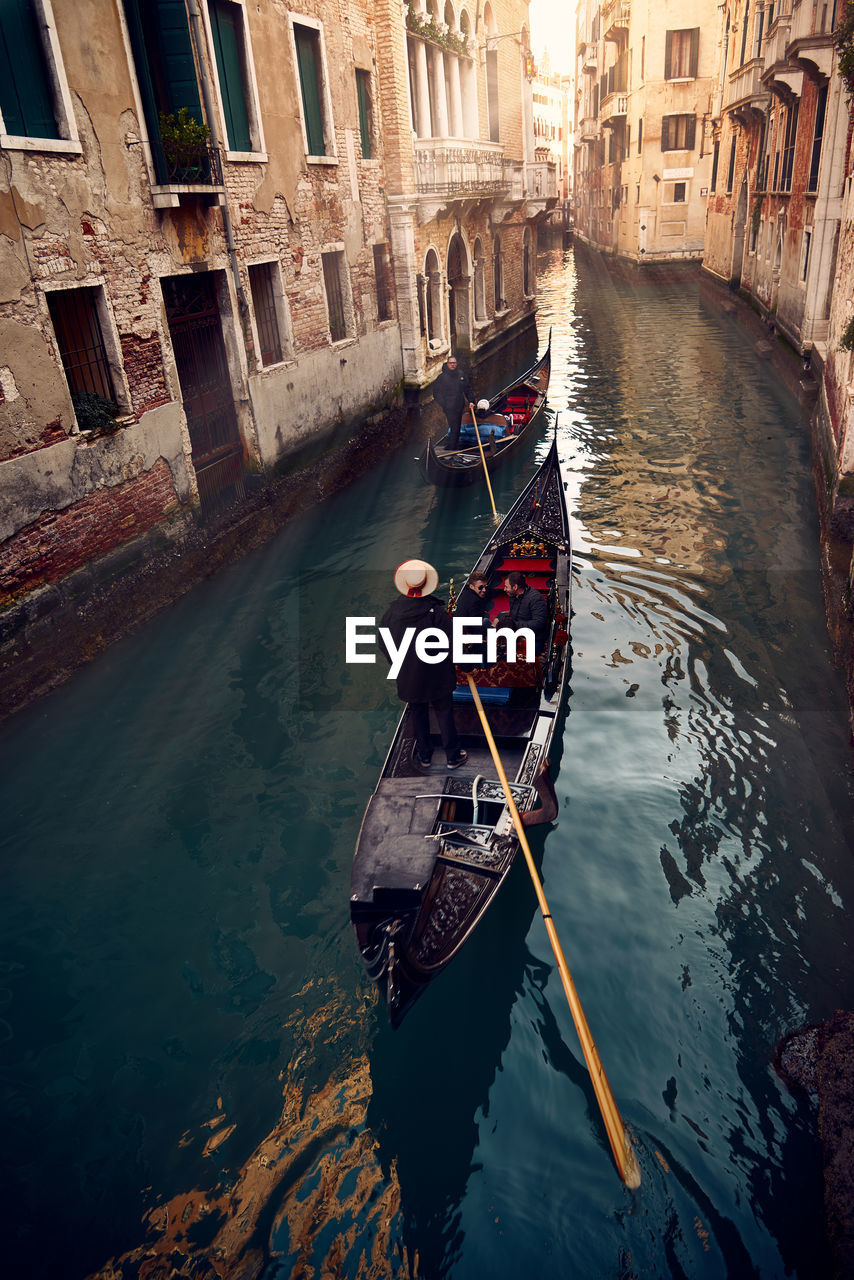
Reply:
x=424 y=684
x=474 y=602
x=452 y=391
x=527 y=607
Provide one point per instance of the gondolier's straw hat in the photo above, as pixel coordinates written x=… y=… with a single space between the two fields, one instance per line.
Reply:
x=416 y=578
x=483 y=404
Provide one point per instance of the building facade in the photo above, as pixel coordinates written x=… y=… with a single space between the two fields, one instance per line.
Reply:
x=646 y=72
x=466 y=189
x=228 y=228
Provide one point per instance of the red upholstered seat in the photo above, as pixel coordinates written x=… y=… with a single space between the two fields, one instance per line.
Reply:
x=526 y=565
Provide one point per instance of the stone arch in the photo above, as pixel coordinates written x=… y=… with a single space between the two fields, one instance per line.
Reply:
x=434 y=311
x=459 y=291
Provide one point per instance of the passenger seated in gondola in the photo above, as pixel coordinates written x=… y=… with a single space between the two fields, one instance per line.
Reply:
x=474 y=602
x=527 y=608
x=490 y=425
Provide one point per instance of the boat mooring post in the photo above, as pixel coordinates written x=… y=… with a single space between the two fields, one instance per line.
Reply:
x=624 y=1155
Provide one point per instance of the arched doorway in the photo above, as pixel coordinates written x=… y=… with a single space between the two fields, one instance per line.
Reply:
x=433 y=299
x=458 y=292
x=738 y=236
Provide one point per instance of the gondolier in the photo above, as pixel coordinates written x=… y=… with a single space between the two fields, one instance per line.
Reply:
x=453 y=392
x=420 y=684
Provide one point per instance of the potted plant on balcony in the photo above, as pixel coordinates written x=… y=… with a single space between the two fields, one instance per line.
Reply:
x=185 y=146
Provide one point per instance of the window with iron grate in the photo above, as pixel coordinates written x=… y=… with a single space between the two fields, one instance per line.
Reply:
x=263 y=279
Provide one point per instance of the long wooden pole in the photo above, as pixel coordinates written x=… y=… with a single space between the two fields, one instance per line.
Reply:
x=483 y=460
x=624 y=1155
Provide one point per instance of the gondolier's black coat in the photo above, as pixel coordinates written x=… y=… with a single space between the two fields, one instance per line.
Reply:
x=471 y=605
x=420 y=681
x=453 y=392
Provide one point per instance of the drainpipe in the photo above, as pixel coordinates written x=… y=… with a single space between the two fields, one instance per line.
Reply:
x=213 y=125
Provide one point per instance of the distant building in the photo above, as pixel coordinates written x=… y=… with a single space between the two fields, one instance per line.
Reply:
x=466 y=189
x=645 y=79
x=551 y=101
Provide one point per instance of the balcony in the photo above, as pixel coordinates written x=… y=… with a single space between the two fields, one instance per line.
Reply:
x=588 y=129
x=781 y=75
x=744 y=91
x=459 y=170
x=183 y=178
x=612 y=109
x=541 y=180
x=811 y=43
x=590 y=59
x=615 y=19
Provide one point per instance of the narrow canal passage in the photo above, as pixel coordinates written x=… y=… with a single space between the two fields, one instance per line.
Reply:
x=194 y=1066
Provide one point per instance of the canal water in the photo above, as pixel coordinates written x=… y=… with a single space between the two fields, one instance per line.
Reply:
x=197 y=1079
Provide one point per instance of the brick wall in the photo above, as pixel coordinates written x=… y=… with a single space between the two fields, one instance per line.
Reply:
x=62 y=541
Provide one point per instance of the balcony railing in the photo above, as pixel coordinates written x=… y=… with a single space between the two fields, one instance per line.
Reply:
x=449 y=168
x=616 y=104
x=745 y=83
x=589 y=129
x=615 y=18
x=542 y=180
x=190 y=173
x=774 y=48
x=590 y=59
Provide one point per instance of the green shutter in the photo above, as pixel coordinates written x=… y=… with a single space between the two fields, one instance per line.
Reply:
x=26 y=100
x=690 y=133
x=363 y=81
x=309 y=74
x=228 y=41
x=665 y=133
x=668 y=54
x=695 y=50
x=176 y=54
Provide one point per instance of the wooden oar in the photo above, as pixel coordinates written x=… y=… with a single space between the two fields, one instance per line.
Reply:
x=483 y=460
x=624 y=1155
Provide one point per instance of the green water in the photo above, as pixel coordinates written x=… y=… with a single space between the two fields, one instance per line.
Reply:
x=195 y=1070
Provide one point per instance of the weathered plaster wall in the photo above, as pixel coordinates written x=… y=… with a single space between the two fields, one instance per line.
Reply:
x=356 y=379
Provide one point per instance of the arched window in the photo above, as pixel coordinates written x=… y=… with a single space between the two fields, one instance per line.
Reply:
x=433 y=298
x=498 y=276
x=479 y=283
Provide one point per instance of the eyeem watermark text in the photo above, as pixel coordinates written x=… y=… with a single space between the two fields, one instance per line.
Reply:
x=432 y=644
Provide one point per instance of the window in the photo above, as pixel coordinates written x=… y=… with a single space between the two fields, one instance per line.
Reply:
x=731 y=171
x=479 y=284
x=265 y=285
x=679 y=192
x=757 y=31
x=492 y=93
x=640 y=134
x=232 y=64
x=334 y=277
x=528 y=285
x=75 y=314
x=716 y=155
x=677 y=133
x=755 y=235
x=166 y=72
x=309 y=55
x=807 y=241
x=363 y=93
x=744 y=25
x=498 y=275
x=788 y=153
x=34 y=98
x=382 y=271
x=681 y=52
x=818 y=132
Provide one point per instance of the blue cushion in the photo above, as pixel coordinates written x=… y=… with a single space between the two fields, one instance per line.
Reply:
x=498 y=696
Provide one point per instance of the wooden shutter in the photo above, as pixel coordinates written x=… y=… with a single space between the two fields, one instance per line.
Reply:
x=25 y=94
x=665 y=133
x=363 y=91
x=176 y=55
x=228 y=42
x=309 y=73
x=668 y=54
x=690 y=132
x=695 y=52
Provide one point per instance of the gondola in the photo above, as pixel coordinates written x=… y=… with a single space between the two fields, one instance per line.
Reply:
x=436 y=845
x=520 y=404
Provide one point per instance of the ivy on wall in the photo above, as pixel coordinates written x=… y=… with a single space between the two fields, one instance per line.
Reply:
x=436 y=32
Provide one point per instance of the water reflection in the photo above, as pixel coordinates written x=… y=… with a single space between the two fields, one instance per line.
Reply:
x=191 y=1047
